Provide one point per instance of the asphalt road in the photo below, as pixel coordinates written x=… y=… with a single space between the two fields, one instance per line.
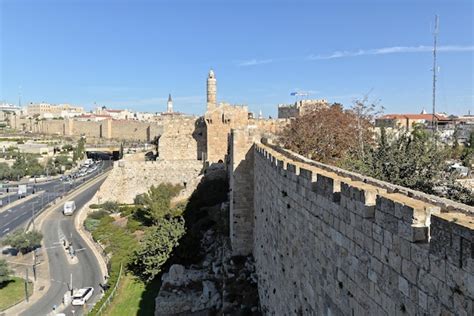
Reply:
x=85 y=272
x=21 y=214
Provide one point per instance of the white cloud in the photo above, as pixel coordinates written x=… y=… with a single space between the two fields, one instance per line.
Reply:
x=392 y=50
x=254 y=62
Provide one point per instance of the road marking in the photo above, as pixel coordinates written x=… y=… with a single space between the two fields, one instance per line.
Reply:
x=6 y=229
x=14 y=220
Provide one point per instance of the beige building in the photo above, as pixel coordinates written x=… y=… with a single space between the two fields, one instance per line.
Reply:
x=46 y=110
x=115 y=114
x=408 y=121
x=300 y=107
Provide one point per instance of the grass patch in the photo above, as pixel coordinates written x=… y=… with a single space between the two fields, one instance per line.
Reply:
x=134 y=297
x=118 y=241
x=13 y=292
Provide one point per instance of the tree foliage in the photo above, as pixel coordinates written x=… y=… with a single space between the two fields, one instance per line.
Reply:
x=328 y=134
x=24 y=165
x=5 y=271
x=411 y=160
x=467 y=155
x=79 y=151
x=24 y=241
x=110 y=206
x=156 y=203
x=156 y=247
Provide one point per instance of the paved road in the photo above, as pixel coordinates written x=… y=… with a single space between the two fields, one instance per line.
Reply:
x=85 y=272
x=21 y=214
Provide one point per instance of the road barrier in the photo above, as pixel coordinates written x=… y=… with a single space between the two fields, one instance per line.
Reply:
x=109 y=299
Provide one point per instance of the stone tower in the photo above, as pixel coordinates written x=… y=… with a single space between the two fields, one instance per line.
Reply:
x=211 y=91
x=169 y=108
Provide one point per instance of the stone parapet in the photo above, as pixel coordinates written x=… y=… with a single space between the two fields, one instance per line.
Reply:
x=330 y=242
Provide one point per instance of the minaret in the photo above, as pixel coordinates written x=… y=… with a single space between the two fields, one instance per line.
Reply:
x=169 y=108
x=211 y=91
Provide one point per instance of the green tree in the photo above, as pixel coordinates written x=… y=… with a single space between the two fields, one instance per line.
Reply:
x=156 y=203
x=34 y=167
x=156 y=247
x=79 y=151
x=24 y=241
x=5 y=171
x=67 y=147
x=63 y=160
x=467 y=156
x=411 y=160
x=110 y=206
x=5 y=271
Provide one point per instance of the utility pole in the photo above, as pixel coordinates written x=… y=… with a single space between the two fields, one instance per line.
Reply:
x=434 y=123
x=34 y=264
x=72 y=292
x=26 y=285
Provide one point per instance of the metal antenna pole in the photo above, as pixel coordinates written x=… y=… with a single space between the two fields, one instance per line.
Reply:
x=435 y=35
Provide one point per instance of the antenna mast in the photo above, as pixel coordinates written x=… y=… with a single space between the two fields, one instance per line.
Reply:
x=435 y=35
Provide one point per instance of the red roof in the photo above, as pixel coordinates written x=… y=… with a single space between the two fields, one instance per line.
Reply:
x=92 y=115
x=426 y=117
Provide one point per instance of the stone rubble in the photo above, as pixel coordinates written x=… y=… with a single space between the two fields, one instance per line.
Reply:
x=218 y=284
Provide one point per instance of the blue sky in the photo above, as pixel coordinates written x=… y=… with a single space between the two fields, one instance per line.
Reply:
x=131 y=54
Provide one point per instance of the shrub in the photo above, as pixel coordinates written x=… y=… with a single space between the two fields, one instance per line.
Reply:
x=127 y=210
x=110 y=206
x=5 y=271
x=133 y=225
x=97 y=214
x=91 y=224
x=24 y=241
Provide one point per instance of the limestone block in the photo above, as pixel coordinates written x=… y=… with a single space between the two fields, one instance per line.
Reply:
x=412 y=233
x=403 y=286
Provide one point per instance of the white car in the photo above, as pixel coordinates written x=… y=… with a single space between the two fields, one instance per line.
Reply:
x=81 y=296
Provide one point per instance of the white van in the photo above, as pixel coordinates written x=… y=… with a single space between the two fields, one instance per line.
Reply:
x=81 y=296
x=69 y=208
x=88 y=162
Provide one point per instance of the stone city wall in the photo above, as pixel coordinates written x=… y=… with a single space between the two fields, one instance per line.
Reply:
x=135 y=130
x=87 y=129
x=330 y=242
x=130 y=178
x=183 y=138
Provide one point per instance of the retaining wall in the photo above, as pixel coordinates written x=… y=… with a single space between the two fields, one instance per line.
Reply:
x=129 y=178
